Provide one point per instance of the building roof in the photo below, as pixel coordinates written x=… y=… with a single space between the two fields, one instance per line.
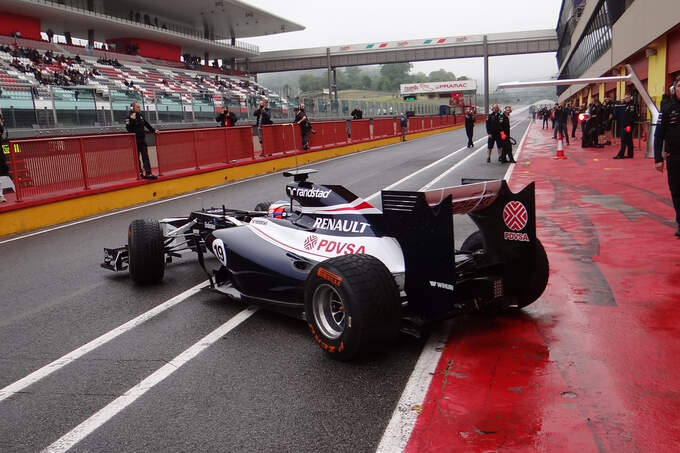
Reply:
x=190 y=24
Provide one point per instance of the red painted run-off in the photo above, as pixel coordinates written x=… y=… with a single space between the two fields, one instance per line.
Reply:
x=594 y=364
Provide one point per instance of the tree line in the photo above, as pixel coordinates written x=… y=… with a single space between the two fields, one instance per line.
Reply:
x=387 y=78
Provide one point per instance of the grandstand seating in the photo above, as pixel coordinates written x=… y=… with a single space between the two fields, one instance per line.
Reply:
x=170 y=86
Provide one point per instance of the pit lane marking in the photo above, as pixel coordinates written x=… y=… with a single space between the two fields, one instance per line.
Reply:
x=399 y=429
x=80 y=432
x=407 y=177
x=450 y=170
x=64 y=360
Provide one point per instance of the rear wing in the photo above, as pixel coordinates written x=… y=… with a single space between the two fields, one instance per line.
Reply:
x=422 y=222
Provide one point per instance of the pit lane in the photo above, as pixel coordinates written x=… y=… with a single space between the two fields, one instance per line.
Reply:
x=264 y=386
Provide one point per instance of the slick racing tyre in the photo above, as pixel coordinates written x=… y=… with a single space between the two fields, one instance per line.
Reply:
x=262 y=206
x=146 y=253
x=352 y=305
x=538 y=274
x=473 y=243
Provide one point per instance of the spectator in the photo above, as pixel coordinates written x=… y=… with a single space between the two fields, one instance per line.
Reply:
x=263 y=117
x=227 y=118
x=4 y=169
x=136 y=124
x=403 y=123
x=357 y=114
x=305 y=125
x=469 y=126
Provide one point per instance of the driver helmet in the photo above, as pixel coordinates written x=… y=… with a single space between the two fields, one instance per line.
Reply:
x=279 y=209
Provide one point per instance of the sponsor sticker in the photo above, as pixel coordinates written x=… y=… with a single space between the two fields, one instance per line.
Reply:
x=441 y=285
x=330 y=276
x=313 y=242
x=515 y=216
x=347 y=226
x=509 y=236
x=219 y=251
x=312 y=192
x=310 y=242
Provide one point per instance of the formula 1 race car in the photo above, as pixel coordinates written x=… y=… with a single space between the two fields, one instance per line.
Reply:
x=355 y=274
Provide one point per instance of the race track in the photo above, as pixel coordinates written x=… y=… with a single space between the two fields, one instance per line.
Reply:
x=259 y=383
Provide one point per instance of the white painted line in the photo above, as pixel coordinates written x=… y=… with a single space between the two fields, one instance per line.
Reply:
x=437 y=162
x=179 y=197
x=399 y=429
x=105 y=414
x=450 y=170
x=61 y=362
x=408 y=408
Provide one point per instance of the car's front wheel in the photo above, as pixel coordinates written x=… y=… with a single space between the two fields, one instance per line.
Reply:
x=146 y=252
x=352 y=305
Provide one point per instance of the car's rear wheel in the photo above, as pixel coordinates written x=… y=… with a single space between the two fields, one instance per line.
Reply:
x=473 y=243
x=352 y=305
x=146 y=252
x=538 y=274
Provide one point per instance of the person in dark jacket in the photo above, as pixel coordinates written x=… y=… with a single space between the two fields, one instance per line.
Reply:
x=305 y=125
x=227 y=118
x=494 y=123
x=630 y=116
x=136 y=123
x=561 y=116
x=469 y=126
x=357 y=114
x=263 y=117
x=506 y=155
x=668 y=134
x=4 y=169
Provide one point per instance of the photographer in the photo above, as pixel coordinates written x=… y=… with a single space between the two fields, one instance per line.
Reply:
x=227 y=118
x=137 y=123
x=305 y=125
x=263 y=117
x=4 y=169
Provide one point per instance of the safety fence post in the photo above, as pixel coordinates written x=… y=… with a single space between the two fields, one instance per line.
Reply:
x=83 y=164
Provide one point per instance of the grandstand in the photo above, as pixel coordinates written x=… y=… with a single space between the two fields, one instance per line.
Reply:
x=50 y=80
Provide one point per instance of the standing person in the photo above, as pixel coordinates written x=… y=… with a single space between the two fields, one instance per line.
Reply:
x=136 y=123
x=258 y=120
x=493 y=127
x=227 y=118
x=4 y=169
x=263 y=117
x=552 y=115
x=561 y=122
x=668 y=134
x=403 y=122
x=532 y=111
x=469 y=126
x=357 y=114
x=630 y=116
x=305 y=125
x=574 y=121
x=546 y=116
x=506 y=155
x=608 y=118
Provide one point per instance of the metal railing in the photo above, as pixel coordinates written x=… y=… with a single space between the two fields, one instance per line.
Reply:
x=34 y=107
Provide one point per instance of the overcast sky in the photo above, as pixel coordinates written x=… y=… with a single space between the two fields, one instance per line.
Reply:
x=338 y=22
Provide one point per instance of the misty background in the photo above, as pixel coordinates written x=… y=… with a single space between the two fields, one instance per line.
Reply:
x=331 y=23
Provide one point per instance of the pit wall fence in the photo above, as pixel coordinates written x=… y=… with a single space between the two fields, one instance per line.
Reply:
x=46 y=170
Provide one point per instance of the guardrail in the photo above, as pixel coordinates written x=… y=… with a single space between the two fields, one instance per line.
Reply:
x=66 y=165
x=187 y=149
x=50 y=169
